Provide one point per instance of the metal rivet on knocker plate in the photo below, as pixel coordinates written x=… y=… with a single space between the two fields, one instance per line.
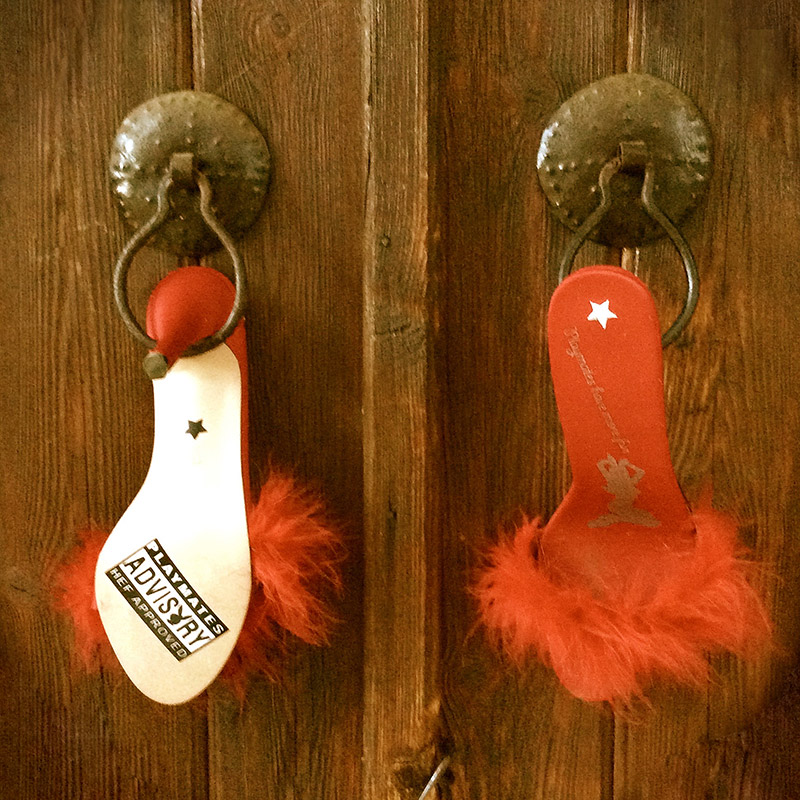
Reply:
x=190 y=172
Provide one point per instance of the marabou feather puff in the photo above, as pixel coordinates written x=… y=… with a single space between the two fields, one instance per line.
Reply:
x=74 y=595
x=295 y=558
x=657 y=619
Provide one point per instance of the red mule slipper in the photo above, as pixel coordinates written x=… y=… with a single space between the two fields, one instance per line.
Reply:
x=625 y=583
x=172 y=583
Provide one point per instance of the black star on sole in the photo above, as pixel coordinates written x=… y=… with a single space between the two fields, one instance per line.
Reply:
x=196 y=428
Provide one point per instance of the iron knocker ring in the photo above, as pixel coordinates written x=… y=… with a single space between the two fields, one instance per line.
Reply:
x=181 y=171
x=633 y=154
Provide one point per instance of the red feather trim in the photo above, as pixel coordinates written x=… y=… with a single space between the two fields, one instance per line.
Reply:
x=295 y=557
x=608 y=642
x=74 y=595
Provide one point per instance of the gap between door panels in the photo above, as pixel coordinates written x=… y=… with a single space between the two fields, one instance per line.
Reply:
x=627 y=58
x=183 y=14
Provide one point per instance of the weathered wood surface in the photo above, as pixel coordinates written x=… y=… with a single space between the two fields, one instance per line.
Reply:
x=501 y=72
x=401 y=443
x=295 y=69
x=732 y=381
x=74 y=427
x=400 y=277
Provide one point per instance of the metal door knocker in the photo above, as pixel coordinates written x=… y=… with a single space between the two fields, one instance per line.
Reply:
x=648 y=139
x=190 y=172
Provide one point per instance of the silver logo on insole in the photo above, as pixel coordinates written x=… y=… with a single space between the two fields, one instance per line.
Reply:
x=621 y=478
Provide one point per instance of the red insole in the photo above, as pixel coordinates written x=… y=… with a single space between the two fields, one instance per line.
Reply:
x=186 y=306
x=605 y=357
x=625 y=583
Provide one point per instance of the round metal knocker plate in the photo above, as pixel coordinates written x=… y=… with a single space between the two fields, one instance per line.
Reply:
x=585 y=133
x=229 y=150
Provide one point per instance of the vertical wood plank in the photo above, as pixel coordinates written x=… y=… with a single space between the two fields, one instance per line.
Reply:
x=400 y=442
x=732 y=381
x=74 y=407
x=295 y=69
x=501 y=71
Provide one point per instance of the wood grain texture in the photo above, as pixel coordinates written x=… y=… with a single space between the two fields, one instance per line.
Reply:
x=502 y=70
x=400 y=276
x=295 y=69
x=732 y=381
x=401 y=467
x=75 y=408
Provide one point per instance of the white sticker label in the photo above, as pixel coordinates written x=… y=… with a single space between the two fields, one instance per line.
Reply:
x=165 y=601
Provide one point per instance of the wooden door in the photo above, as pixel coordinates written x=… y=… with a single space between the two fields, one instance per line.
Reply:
x=400 y=278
